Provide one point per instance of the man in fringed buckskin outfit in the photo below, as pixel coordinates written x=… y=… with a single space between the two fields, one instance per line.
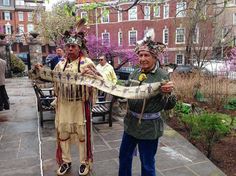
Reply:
x=143 y=124
x=73 y=106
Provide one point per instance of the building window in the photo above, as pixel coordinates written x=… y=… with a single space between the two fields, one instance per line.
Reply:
x=180 y=35
x=165 y=36
x=20 y=2
x=180 y=9
x=6 y=2
x=156 y=11
x=21 y=16
x=165 y=60
x=146 y=12
x=166 y=11
x=7 y=16
x=106 y=38
x=30 y=27
x=179 y=59
x=196 y=35
x=132 y=37
x=234 y=18
x=39 y=17
x=105 y=15
x=8 y=28
x=21 y=29
x=133 y=13
x=120 y=39
x=119 y=16
x=30 y=16
x=84 y=15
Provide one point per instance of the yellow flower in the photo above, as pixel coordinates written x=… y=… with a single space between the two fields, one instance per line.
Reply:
x=142 y=77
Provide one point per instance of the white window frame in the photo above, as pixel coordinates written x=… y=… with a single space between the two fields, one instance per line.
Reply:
x=21 y=29
x=84 y=15
x=108 y=39
x=30 y=16
x=20 y=2
x=30 y=27
x=136 y=34
x=120 y=38
x=181 y=9
x=7 y=15
x=176 y=59
x=105 y=17
x=132 y=13
x=21 y=16
x=156 y=11
x=147 y=12
x=8 y=28
x=196 y=35
x=6 y=2
x=166 y=11
x=119 y=16
x=165 y=38
x=234 y=19
x=177 y=35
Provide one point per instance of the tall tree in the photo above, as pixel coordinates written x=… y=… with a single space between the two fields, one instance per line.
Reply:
x=54 y=23
x=201 y=23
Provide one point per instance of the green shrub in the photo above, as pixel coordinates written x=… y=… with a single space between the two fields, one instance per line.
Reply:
x=182 y=108
x=231 y=105
x=17 y=65
x=207 y=128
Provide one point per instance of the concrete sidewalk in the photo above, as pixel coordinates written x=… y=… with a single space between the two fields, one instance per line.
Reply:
x=28 y=150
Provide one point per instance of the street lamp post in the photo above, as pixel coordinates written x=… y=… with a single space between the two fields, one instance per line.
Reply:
x=222 y=48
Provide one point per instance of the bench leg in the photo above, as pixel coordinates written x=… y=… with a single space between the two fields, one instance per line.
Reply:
x=41 y=118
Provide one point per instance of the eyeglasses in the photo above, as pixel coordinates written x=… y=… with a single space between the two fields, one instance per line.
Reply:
x=101 y=59
x=70 y=45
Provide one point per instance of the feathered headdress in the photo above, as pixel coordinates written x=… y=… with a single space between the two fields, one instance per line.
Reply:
x=148 y=44
x=76 y=36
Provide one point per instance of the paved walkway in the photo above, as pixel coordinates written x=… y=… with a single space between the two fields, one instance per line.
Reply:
x=27 y=150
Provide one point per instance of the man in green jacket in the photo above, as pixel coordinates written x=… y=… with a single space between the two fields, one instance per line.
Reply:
x=143 y=124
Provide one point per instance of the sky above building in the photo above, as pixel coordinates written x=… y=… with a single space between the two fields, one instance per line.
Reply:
x=49 y=3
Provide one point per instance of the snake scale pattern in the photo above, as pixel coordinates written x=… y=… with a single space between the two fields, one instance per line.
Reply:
x=135 y=92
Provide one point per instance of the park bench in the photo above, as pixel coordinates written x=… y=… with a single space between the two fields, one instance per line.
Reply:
x=102 y=108
x=44 y=99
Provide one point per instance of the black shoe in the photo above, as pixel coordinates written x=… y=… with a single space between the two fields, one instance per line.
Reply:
x=84 y=169
x=64 y=168
x=7 y=105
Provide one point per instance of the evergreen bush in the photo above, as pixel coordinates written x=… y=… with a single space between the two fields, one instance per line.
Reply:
x=17 y=65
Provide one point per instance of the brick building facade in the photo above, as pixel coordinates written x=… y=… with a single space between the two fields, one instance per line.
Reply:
x=125 y=28
x=168 y=19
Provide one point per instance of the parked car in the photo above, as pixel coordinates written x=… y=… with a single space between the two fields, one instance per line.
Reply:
x=124 y=72
x=184 y=69
x=24 y=57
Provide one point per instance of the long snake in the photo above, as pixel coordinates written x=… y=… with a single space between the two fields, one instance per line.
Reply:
x=135 y=92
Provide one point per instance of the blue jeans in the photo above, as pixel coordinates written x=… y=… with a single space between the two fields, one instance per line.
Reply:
x=147 y=150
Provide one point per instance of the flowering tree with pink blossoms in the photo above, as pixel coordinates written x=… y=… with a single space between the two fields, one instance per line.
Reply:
x=96 y=49
x=231 y=59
